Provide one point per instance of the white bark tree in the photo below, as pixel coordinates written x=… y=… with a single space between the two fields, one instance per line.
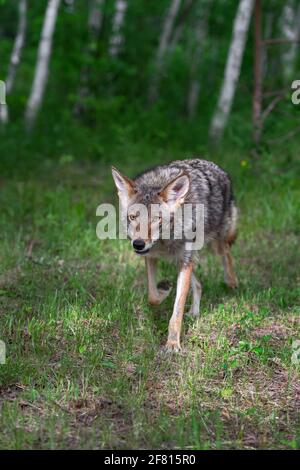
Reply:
x=2 y=92
x=178 y=30
x=233 y=67
x=95 y=19
x=117 y=38
x=290 y=30
x=42 y=64
x=69 y=5
x=162 y=48
x=201 y=27
x=15 y=57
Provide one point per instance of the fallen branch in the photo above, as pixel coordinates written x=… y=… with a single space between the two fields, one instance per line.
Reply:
x=271 y=106
x=270 y=42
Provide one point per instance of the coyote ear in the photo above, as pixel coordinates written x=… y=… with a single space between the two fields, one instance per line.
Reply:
x=124 y=185
x=175 y=192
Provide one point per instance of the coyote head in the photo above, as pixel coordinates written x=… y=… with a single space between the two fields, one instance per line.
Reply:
x=148 y=211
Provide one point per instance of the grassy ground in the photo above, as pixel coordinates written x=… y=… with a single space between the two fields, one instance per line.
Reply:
x=84 y=367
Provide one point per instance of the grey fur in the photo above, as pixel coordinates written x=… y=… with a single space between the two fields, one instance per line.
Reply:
x=181 y=182
x=209 y=185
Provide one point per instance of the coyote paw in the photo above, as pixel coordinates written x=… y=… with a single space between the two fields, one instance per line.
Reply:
x=164 y=288
x=172 y=347
x=232 y=282
x=193 y=312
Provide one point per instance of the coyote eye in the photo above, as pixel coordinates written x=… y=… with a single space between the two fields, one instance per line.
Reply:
x=132 y=217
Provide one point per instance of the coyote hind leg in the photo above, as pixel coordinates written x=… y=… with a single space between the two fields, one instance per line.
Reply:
x=222 y=248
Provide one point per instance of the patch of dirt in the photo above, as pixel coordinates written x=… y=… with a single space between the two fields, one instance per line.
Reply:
x=277 y=331
x=10 y=277
x=10 y=392
x=93 y=412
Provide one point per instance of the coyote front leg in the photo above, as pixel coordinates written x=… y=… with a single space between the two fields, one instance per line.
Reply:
x=156 y=295
x=183 y=285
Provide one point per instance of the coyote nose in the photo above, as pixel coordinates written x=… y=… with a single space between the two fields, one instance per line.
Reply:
x=138 y=244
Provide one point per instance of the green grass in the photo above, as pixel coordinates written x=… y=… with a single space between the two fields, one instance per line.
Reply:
x=84 y=365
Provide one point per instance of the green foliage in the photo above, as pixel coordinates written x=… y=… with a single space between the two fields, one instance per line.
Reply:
x=84 y=364
x=84 y=368
x=116 y=111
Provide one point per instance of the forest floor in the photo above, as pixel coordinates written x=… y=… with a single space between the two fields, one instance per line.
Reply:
x=84 y=367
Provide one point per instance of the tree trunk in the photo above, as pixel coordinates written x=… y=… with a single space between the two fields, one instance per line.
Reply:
x=258 y=75
x=162 y=48
x=201 y=26
x=69 y=5
x=233 y=67
x=268 y=29
x=186 y=10
x=95 y=19
x=15 y=56
x=2 y=93
x=42 y=64
x=117 y=39
x=290 y=30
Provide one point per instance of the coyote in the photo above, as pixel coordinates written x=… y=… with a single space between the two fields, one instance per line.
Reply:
x=172 y=186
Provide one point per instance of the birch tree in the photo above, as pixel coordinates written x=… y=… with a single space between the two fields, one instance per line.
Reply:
x=232 y=69
x=95 y=19
x=201 y=28
x=162 y=48
x=2 y=93
x=178 y=30
x=116 y=39
x=15 y=56
x=42 y=64
x=290 y=30
x=69 y=5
